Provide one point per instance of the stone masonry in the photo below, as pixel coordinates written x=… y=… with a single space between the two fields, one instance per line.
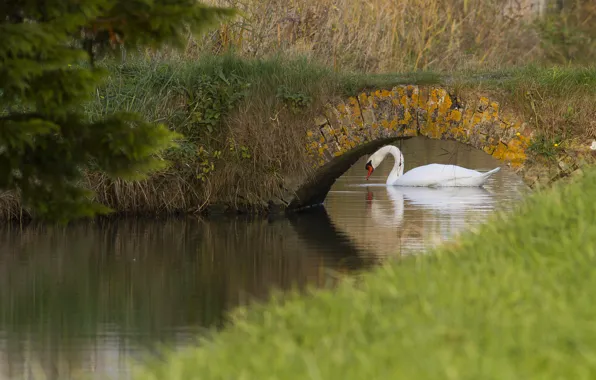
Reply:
x=359 y=125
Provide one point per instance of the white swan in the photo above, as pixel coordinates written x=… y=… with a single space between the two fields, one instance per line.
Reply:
x=435 y=175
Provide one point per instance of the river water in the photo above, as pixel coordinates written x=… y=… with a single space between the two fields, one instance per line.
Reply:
x=83 y=301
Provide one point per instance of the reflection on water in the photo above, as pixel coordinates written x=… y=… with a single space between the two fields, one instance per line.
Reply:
x=391 y=220
x=75 y=300
x=80 y=301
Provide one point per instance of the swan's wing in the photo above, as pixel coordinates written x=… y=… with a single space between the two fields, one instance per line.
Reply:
x=435 y=174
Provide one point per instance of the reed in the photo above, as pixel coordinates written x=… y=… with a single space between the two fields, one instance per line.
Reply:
x=406 y=35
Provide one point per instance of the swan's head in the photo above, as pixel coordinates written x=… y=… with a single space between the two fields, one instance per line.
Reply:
x=373 y=162
x=377 y=157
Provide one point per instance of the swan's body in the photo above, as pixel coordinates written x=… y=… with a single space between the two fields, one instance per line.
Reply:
x=435 y=175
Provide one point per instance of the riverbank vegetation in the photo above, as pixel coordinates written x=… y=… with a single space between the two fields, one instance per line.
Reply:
x=242 y=96
x=509 y=299
x=243 y=121
x=47 y=71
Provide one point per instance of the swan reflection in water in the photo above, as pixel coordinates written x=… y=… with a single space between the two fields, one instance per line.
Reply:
x=424 y=216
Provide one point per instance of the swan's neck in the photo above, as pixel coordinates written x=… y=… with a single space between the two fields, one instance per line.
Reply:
x=398 y=165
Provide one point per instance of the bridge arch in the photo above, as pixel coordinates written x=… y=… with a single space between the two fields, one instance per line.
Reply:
x=349 y=129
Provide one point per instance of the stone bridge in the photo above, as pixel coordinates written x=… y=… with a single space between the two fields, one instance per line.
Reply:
x=350 y=129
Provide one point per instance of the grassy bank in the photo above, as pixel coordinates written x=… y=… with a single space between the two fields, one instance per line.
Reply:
x=557 y=102
x=512 y=299
x=244 y=122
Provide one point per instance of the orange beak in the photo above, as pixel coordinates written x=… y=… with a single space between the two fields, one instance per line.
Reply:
x=370 y=170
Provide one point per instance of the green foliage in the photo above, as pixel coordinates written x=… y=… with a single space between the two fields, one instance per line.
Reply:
x=545 y=146
x=210 y=98
x=511 y=300
x=295 y=100
x=47 y=73
x=212 y=101
x=568 y=35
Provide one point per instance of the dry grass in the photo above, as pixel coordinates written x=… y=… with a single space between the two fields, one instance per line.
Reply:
x=558 y=102
x=401 y=36
x=10 y=206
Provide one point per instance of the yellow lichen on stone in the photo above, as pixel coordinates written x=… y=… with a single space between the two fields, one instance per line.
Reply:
x=518 y=147
x=499 y=151
x=436 y=130
x=410 y=111
x=495 y=107
x=454 y=115
x=459 y=133
x=445 y=103
x=477 y=118
x=489 y=149
x=431 y=126
x=467 y=118
x=393 y=124
x=415 y=97
x=410 y=132
x=407 y=118
x=396 y=94
x=433 y=97
x=363 y=99
x=524 y=141
x=503 y=124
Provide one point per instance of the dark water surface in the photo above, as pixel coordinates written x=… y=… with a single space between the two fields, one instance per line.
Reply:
x=80 y=302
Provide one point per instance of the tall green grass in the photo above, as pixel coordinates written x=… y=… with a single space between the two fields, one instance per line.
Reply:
x=244 y=121
x=512 y=299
